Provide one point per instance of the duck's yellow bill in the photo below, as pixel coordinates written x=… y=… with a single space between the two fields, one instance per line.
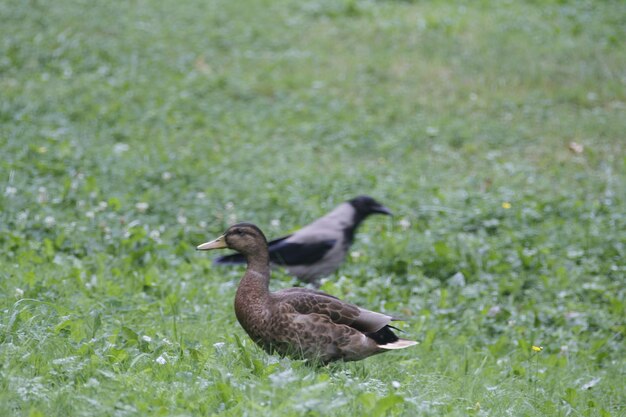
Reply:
x=218 y=243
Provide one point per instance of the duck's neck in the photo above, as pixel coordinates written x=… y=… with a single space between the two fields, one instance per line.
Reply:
x=255 y=281
x=252 y=295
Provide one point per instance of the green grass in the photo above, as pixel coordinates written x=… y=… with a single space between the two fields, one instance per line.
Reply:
x=216 y=111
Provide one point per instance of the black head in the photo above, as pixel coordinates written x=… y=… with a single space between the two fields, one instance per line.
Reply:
x=366 y=205
x=245 y=238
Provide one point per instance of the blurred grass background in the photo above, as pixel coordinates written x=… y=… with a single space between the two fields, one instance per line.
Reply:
x=131 y=131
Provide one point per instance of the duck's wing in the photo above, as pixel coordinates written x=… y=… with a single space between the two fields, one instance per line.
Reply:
x=355 y=331
x=308 y=301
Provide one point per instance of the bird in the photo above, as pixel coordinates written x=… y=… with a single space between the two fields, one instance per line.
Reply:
x=318 y=249
x=301 y=323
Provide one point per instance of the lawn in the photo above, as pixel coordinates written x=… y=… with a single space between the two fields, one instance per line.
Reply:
x=132 y=131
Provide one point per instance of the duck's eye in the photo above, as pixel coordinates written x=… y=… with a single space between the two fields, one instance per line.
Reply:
x=240 y=232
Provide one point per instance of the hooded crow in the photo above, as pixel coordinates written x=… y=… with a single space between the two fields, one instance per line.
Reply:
x=318 y=249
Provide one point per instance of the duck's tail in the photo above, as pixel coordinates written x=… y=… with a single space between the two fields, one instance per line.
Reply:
x=385 y=338
x=399 y=344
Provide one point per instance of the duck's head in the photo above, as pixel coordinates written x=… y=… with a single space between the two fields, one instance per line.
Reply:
x=366 y=205
x=245 y=238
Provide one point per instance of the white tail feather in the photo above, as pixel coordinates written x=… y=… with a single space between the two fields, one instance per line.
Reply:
x=399 y=344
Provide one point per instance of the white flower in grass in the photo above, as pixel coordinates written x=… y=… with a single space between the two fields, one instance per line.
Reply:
x=181 y=219
x=92 y=382
x=591 y=383
x=42 y=195
x=166 y=176
x=432 y=131
x=120 y=148
x=457 y=280
x=404 y=223
x=10 y=191
x=161 y=360
x=146 y=338
x=576 y=148
x=92 y=283
x=142 y=206
x=275 y=223
x=22 y=216
x=49 y=221
x=90 y=214
x=19 y=293
x=395 y=384
x=494 y=311
x=155 y=235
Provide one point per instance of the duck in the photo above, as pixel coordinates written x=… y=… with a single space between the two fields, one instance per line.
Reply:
x=318 y=249
x=301 y=323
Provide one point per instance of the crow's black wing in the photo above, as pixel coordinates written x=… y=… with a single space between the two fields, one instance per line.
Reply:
x=284 y=252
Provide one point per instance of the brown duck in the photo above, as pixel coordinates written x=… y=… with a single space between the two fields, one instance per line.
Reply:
x=300 y=322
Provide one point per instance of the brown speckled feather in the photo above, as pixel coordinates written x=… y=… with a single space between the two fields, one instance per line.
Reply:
x=306 y=301
x=301 y=322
